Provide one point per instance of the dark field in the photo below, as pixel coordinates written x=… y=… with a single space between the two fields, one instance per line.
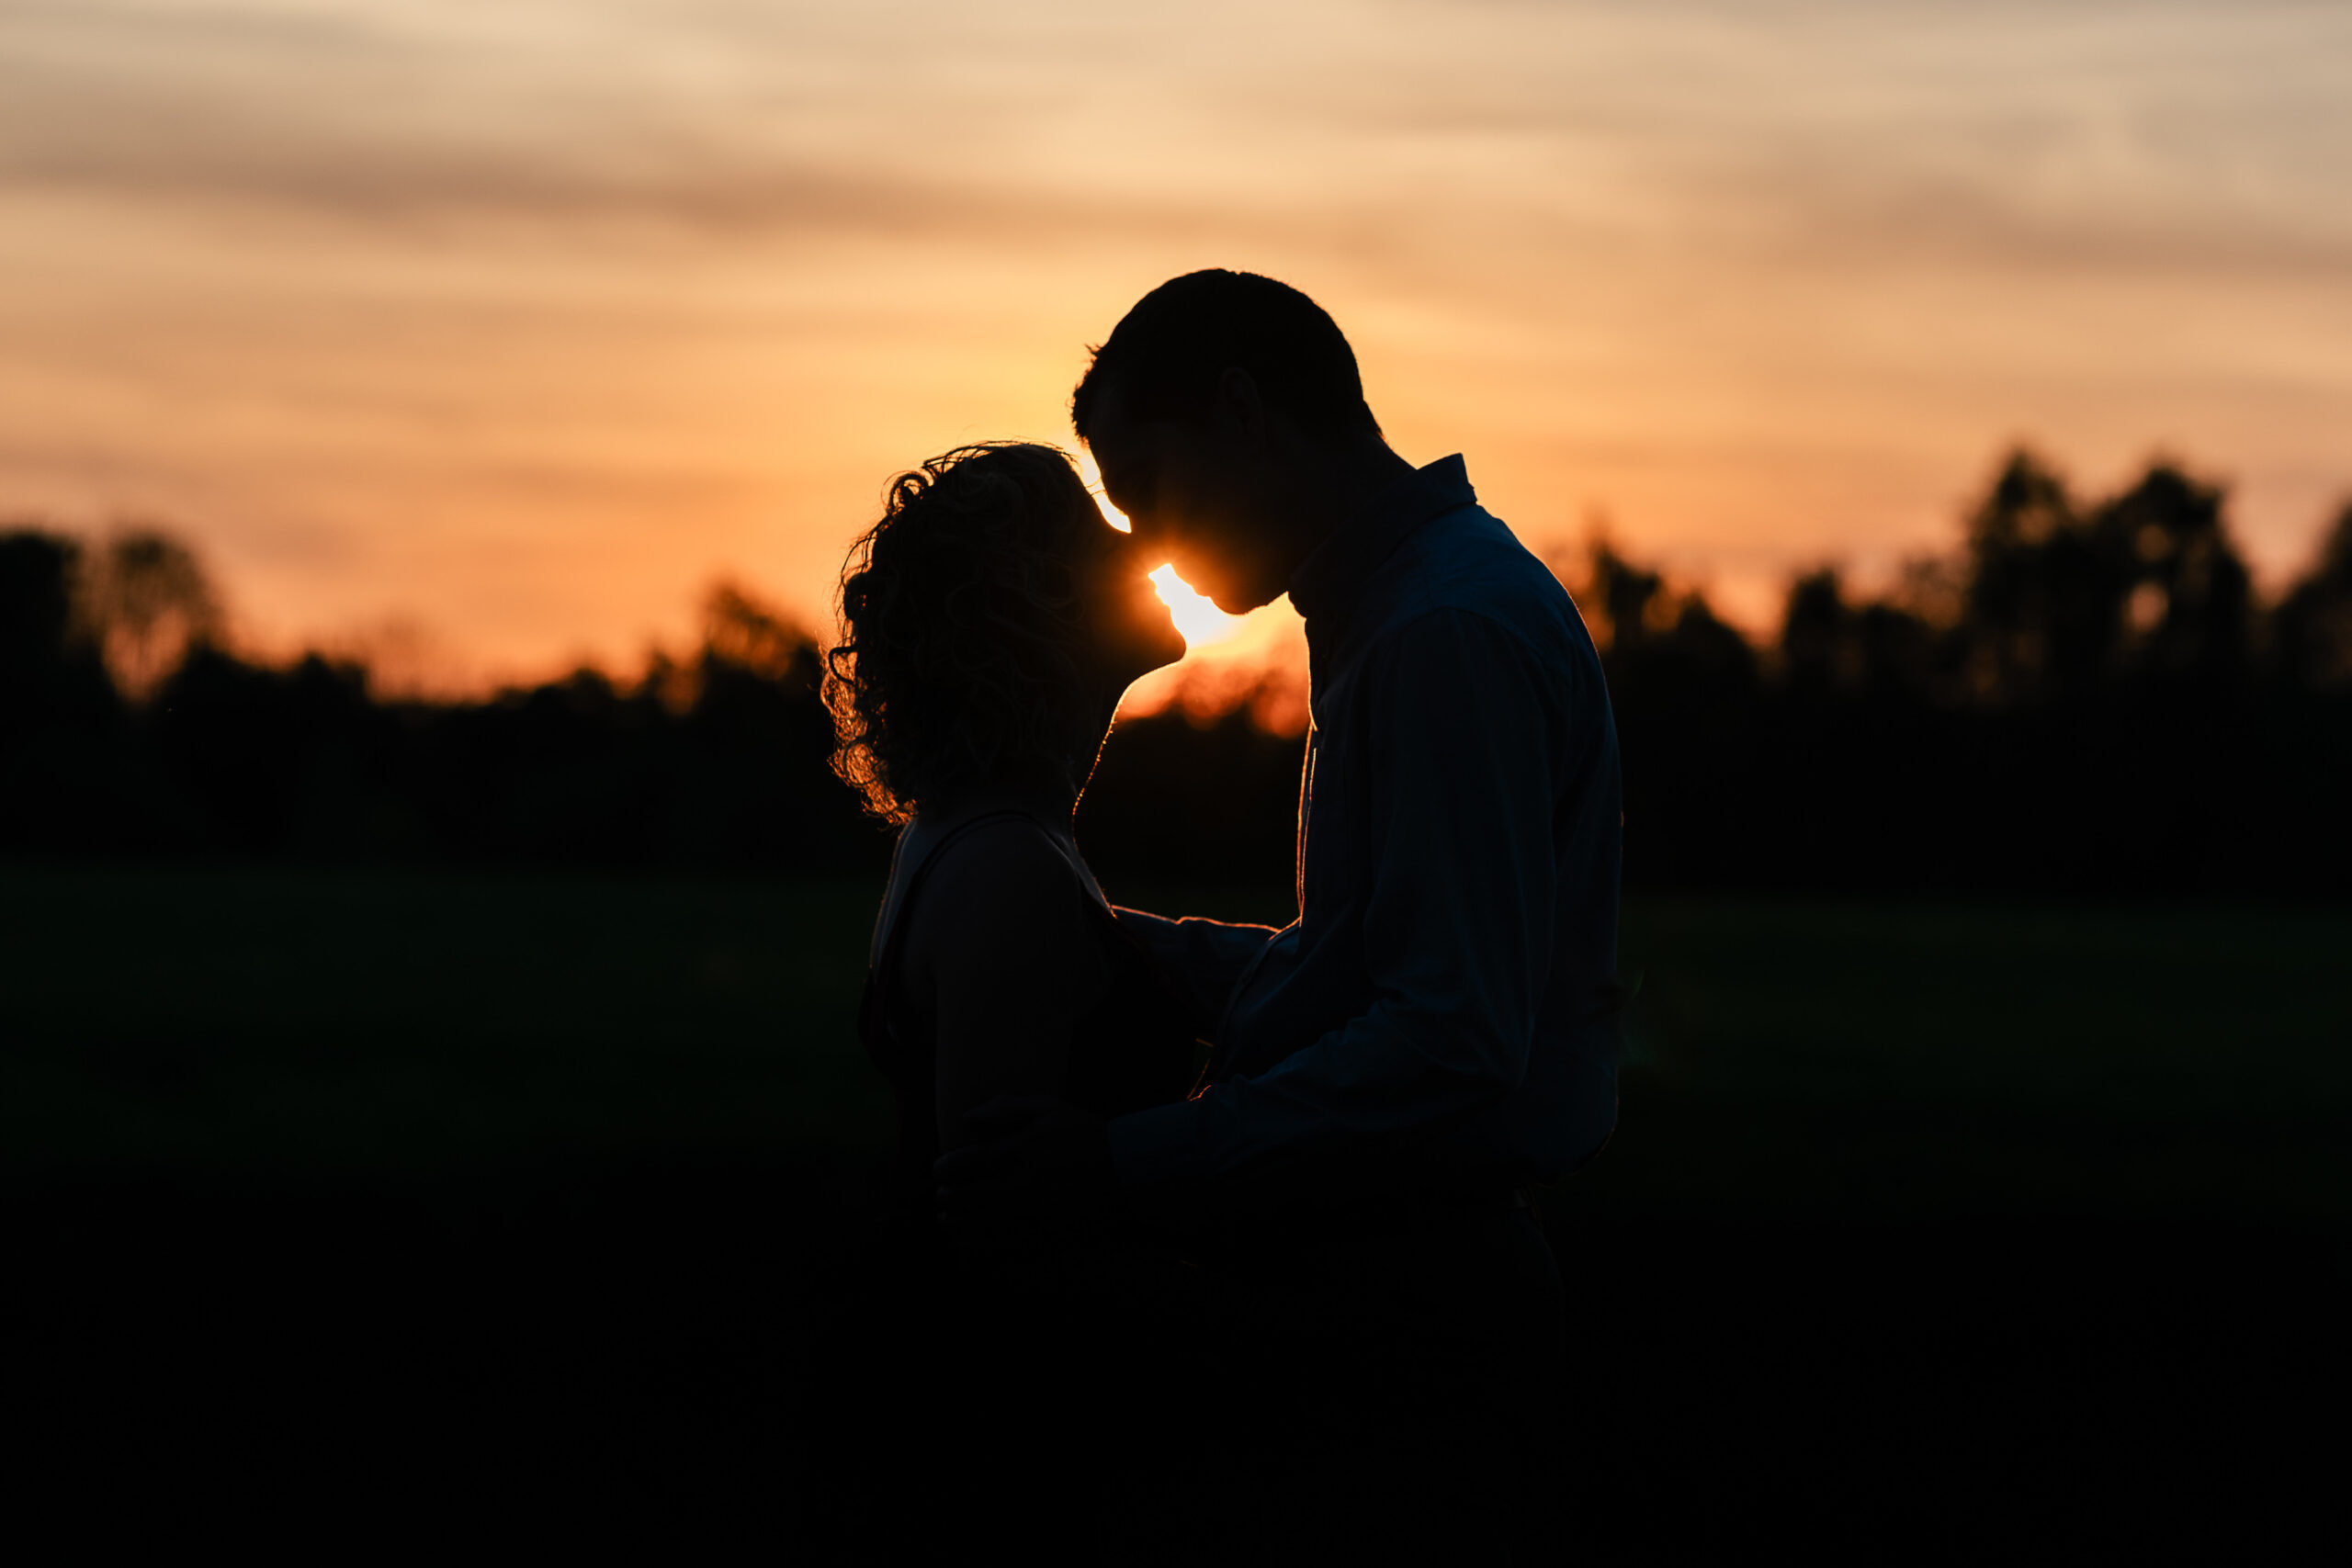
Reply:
x=1930 y=1232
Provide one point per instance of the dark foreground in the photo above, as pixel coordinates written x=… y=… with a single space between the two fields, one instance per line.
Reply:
x=1875 y=1271
x=629 y=1356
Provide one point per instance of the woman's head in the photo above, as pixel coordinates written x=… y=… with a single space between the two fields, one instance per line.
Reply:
x=988 y=623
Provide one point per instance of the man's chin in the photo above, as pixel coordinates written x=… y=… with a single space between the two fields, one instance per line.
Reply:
x=1223 y=592
x=1238 y=602
x=1234 y=597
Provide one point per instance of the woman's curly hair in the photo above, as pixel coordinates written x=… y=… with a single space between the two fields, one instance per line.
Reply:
x=962 y=631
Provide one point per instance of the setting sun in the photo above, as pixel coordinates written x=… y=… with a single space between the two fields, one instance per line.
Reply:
x=1200 y=621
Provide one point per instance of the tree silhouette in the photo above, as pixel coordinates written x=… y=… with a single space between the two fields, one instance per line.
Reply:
x=2188 y=604
x=2313 y=622
x=147 y=600
x=49 y=670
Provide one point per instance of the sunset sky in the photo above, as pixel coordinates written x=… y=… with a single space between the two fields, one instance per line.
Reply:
x=489 y=331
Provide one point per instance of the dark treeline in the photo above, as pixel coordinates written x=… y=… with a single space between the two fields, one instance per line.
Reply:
x=2084 y=697
x=714 y=762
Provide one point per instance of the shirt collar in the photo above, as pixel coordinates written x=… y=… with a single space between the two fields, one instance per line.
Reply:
x=1329 y=582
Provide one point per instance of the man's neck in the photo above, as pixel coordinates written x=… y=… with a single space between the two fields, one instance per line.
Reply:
x=1344 y=485
x=1364 y=471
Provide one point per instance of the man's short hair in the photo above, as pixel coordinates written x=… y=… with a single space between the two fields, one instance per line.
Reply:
x=1169 y=352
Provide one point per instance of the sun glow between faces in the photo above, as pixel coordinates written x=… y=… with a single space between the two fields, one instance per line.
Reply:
x=1201 y=621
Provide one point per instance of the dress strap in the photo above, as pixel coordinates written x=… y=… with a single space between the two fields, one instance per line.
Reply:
x=886 y=949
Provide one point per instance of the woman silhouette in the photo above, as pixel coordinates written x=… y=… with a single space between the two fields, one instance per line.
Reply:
x=990 y=622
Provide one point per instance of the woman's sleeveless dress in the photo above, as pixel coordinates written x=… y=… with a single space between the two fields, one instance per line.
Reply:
x=1130 y=1050
x=923 y=1339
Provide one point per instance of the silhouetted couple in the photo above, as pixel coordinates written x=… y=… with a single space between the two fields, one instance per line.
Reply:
x=1297 y=1295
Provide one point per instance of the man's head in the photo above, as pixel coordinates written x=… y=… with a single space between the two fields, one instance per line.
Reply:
x=1218 y=409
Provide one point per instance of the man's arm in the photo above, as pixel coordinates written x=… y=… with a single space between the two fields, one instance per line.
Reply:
x=1203 y=960
x=1458 y=931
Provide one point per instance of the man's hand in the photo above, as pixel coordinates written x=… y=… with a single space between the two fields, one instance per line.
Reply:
x=1037 y=1172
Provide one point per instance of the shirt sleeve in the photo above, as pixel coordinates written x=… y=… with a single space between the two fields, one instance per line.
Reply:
x=1203 y=960
x=1460 y=738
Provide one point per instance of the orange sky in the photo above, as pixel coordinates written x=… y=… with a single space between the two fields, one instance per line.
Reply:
x=488 y=332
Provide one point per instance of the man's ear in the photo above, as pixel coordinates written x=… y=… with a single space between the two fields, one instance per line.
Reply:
x=1241 y=409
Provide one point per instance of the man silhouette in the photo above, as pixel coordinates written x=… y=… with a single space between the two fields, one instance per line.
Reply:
x=1434 y=1033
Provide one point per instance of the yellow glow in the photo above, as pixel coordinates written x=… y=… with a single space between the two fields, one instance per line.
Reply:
x=1201 y=622
x=1088 y=471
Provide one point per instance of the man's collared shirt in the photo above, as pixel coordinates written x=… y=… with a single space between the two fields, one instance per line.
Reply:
x=1447 y=985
